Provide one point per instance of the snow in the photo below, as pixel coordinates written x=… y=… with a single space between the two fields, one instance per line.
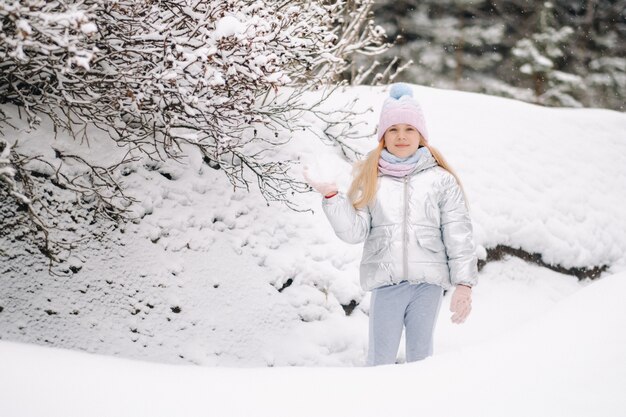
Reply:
x=228 y=26
x=250 y=295
x=564 y=363
x=23 y=27
x=88 y=28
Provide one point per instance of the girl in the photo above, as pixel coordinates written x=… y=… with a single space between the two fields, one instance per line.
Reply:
x=409 y=208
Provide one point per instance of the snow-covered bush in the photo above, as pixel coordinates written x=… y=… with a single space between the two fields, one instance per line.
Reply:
x=44 y=46
x=163 y=78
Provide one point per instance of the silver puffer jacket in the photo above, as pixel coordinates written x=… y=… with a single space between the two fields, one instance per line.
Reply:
x=417 y=229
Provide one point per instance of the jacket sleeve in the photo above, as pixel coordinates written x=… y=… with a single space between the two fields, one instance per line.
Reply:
x=351 y=225
x=457 y=232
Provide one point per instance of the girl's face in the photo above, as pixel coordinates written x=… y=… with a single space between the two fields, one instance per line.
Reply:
x=402 y=140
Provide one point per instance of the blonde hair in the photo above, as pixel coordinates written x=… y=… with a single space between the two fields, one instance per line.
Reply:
x=363 y=189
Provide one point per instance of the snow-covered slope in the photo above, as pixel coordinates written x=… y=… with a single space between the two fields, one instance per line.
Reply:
x=196 y=281
x=568 y=362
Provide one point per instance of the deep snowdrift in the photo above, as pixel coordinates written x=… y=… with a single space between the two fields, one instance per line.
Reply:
x=569 y=362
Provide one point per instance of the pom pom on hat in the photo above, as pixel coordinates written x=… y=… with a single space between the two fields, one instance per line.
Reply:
x=401 y=107
x=400 y=89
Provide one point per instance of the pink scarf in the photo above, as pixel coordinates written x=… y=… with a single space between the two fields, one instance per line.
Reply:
x=390 y=164
x=396 y=170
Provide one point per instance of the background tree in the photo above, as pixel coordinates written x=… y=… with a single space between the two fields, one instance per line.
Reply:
x=468 y=45
x=541 y=57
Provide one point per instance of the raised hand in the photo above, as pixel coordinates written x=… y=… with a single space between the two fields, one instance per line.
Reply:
x=324 y=188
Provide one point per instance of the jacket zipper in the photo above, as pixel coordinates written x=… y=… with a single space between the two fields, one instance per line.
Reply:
x=404 y=246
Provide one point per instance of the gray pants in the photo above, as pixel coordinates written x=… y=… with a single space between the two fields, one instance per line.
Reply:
x=416 y=306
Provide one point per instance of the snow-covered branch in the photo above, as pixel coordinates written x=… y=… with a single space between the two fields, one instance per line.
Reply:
x=160 y=78
x=7 y=173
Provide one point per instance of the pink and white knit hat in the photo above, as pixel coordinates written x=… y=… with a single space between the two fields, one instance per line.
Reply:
x=401 y=107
